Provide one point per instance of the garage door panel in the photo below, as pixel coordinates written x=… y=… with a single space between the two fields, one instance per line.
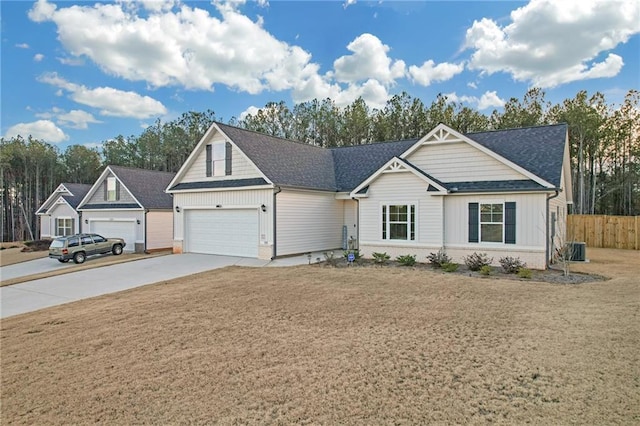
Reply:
x=224 y=232
x=116 y=229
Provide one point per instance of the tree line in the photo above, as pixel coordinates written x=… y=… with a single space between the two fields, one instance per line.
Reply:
x=604 y=145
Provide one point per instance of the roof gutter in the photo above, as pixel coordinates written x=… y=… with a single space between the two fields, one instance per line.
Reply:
x=276 y=191
x=547 y=242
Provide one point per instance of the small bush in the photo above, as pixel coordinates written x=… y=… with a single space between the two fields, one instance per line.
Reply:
x=524 y=273
x=485 y=270
x=380 y=258
x=511 y=265
x=476 y=261
x=437 y=260
x=356 y=254
x=407 y=260
x=449 y=267
x=330 y=258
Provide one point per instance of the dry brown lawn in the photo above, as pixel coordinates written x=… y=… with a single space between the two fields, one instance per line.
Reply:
x=13 y=254
x=321 y=345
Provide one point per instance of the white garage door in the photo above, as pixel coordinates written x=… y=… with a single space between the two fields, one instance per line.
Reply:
x=116 y=229
x=225 y=232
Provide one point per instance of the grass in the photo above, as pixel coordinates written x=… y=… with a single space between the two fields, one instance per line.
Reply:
x=316 y=344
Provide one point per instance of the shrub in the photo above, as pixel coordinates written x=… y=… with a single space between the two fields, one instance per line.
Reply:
x=485 y=270
x=450 y=267
x=356 y=254
x=476 y=261
x=380 y=258
x=511 y=265
x=438 y=259
x=407 y=260
x=524 y=273
x=330 y=258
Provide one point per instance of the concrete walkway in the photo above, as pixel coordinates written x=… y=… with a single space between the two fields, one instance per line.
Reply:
x=43 y=293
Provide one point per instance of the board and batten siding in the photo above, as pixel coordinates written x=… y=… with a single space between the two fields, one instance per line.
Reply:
x=308 y=221
x=530 y=244
x=253 y=198
x=116 y=215
x=401 y=188
x=241 y=168
x=460 y=162
x=159 y=230
x=98 y=196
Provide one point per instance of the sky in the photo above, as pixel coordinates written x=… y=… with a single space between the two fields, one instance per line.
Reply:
x=82 y=73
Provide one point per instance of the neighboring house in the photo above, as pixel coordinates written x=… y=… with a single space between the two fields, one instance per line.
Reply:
x=503 y=193
x=58 y=214
x=130 y=203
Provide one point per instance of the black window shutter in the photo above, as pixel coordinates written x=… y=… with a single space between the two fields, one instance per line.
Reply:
x=473 y=223
x=510 y=223
x=227 y=158
x=117 y=190
x=209 y=161
x=105 y=190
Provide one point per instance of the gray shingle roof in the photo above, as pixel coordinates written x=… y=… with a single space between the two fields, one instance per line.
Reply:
x=146 y=185
x=537 y=149
x=79 y=190
x=110 y=206
x=234 y=183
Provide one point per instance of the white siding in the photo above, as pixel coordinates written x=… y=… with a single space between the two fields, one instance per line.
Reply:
x=226 y=200
x=159 y=230
x=241 y=168
x=460 y=162
x=401 y=188
x=59 y=210
x=350 y=212
x=308 y=221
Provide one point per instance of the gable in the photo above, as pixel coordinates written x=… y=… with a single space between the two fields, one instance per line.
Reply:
x=97 y=196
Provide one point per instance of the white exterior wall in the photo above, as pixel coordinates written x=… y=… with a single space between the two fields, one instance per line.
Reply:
x=59 y=210
x=116 y=215
x=226 y=199
x=460 y=162
x=350 y=212
x=558 y=205
x=308 y=221
x=241 y=168
x=159 y=230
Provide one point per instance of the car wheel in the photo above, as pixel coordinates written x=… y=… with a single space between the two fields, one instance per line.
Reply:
x=79 y=257
x=63 y=260
x=117 y=249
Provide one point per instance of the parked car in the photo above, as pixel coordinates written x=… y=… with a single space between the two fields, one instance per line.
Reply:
x=79 y=246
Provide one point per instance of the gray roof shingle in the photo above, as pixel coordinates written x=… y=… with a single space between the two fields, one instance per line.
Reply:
x=284 y=162
x=147 y=186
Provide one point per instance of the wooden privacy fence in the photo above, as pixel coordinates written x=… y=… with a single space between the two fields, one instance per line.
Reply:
x=604 y=231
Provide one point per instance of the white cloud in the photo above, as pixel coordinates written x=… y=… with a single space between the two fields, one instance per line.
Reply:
x=549 y=42
x=472 y=85
x=71 y=61
x=76 y=119
x=110 y=101
x=45 y=130
x=348 y=3
x=38 y=57
x=429 y=72
x=489 y=99
x=369 y=61
x=22 y=46
x=252 y=110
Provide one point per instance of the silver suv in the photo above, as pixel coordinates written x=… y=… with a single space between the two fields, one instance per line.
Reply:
x=79 y=246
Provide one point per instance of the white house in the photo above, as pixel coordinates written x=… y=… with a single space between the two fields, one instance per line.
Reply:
x=130 y=203
x=503 y=193
x=58 y=214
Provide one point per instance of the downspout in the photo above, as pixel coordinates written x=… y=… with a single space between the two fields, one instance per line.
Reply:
x=79 y=223
x=357 y=222
x=145 y=230
x=276 y=191
x=546 y=232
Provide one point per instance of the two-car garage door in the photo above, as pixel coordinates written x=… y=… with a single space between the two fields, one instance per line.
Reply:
x=232 y=232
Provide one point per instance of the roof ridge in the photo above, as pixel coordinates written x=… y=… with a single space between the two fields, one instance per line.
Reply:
x=111 y=166
x=270 y=136
x=374 y=143
x=516 y=128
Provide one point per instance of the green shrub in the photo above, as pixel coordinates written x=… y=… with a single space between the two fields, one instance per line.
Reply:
x=450 y=267
x=407 y=260
x=356 y=254
x=524 y=273
x=330 y=258
x=380 y=258
x=437 y=260
x=476 y=261
x=511 y=265
x=485 y=270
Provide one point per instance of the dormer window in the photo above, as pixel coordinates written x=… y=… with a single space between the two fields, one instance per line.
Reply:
x=111 y=189
x=218 y=159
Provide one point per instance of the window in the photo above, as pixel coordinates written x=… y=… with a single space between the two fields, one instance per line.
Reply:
x=111 y=189
x=399 y=222
x=218 y=159
x=86 y=240
x=98 y=238
x=491 y=223
x=64 y=226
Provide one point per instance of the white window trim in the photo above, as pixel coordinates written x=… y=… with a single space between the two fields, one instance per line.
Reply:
x=71 y=227
x=409 y=204
x=480 y=222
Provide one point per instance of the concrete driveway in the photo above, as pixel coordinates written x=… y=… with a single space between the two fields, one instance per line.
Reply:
x=43 y=293
x=31 y=267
